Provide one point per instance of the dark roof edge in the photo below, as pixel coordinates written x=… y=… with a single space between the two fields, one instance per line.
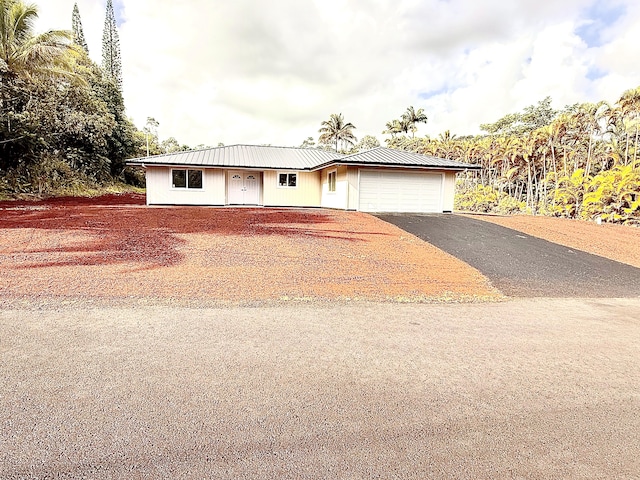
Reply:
x=219 y=167
x=406 y=165
x=345 y=160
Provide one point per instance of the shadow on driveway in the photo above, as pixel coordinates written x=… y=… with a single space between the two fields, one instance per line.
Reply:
x=521 y=265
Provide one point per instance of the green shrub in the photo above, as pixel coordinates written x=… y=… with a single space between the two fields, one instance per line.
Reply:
x=484 y=199
x=614 y=195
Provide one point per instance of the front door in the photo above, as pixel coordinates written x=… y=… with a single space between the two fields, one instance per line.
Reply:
x=243 y=187
x=251 y=189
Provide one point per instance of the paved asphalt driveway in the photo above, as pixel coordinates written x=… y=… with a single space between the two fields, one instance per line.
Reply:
x=521 y=265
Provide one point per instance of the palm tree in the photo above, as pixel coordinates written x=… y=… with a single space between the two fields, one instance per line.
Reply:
x=24 y=54
x=411 y=117
x=336 y=130
x=588 y=119
x=392 y=128
x=449 y=146
x=629 y=104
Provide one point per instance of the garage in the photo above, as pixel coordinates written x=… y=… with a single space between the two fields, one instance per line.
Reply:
x=401 y=191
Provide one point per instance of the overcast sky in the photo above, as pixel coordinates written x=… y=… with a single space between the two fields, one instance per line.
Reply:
x=251 y=71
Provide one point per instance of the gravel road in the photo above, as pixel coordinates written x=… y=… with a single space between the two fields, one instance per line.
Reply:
x=529 y=388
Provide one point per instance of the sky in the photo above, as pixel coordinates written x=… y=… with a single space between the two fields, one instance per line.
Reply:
x=258 y=72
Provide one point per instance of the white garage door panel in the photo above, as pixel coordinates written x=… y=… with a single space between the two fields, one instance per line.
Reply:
x=414 y=192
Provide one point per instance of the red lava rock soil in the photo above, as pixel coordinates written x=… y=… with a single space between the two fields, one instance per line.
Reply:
x=114 y=247
x=616 y=242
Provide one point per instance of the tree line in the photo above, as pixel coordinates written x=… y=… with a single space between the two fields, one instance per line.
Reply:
x=337 y=135
x=63 y=125
x=578 y=162
x=62 y=117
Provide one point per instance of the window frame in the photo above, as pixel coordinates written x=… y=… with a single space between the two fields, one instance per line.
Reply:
x=186 y=178
x=333 y=173
x=288 y=174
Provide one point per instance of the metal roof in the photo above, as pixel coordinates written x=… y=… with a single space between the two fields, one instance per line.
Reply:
x=381 y=156
x=291 y=158
x=245 y=156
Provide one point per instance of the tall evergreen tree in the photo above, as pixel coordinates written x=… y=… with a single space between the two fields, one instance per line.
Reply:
x=76 y=25
x=111 y=61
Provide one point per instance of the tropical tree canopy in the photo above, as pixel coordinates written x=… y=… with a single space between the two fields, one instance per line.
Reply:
x=407 y=123
x=62 y=122
x=578 y=162
x=336 y=131
x=367 y=143
x=412 y=117
x=24 y=54
x=309 y=142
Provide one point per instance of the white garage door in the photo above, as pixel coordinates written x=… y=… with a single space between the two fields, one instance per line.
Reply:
x=389 y=191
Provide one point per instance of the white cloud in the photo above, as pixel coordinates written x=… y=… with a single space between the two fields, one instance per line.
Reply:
x=270 y=72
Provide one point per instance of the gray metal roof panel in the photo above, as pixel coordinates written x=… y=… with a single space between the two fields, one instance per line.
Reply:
x=388 y=156
x=291 y=158
x=247 y=156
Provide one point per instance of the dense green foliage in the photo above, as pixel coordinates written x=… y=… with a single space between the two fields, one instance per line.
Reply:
x=111 y=59
x=76 y=27
x=62 y=121
x=581 y=162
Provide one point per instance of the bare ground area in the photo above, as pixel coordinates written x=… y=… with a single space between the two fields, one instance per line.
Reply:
x=536 y=389
x=97 y=385
x=616 y=242
x=114 y=249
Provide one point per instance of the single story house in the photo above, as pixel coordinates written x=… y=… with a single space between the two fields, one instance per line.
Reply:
x=377 y=180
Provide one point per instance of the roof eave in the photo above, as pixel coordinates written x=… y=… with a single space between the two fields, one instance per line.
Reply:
x=397 y=165
x=222 y=167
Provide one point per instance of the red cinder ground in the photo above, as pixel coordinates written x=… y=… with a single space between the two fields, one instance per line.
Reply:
x=114 y=247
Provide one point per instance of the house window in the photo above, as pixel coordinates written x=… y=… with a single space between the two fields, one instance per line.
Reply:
x=332 y=177
x=179 y=178
x=186 y=178
x=288 y=180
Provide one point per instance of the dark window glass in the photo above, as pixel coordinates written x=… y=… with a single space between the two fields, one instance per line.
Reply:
x=282 y=179
x=292 y=179
x=195 y=178
x=332 y=181
x=179 y=178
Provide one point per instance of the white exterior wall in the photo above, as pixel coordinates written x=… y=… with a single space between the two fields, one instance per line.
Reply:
x=339 y=198
x=312 y=189
x=305 y=194
x=160 y=191
x=352 y=184
x=449 y=191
